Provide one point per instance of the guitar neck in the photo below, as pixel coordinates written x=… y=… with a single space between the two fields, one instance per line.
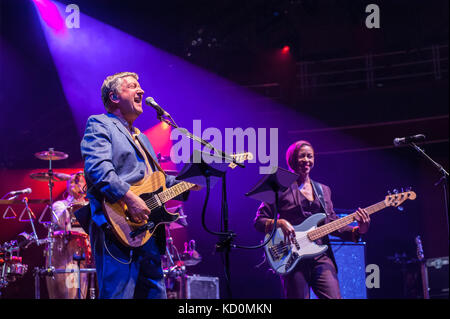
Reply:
x=344 y=221
x=174 y=191
x=181 y=187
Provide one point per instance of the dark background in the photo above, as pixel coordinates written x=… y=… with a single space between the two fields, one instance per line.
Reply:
x=407 y=95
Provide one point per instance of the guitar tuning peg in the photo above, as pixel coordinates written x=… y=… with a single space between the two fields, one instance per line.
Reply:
x=389 y=193
x=402 y=190
x=395 y=191
x=400 y=208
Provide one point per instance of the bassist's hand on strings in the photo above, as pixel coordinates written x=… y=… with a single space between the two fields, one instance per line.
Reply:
x=286 y=228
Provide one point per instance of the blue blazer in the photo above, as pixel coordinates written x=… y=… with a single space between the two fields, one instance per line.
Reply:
x=112 y=162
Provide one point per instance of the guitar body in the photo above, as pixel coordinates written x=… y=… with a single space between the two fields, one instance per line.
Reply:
x=283 y=258
x=122 y=225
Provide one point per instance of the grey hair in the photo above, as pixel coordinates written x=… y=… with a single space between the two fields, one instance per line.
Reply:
x=113 y=83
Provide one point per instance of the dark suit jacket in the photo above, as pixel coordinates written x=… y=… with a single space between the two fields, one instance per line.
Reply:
x=112 y=162
x=291 y=210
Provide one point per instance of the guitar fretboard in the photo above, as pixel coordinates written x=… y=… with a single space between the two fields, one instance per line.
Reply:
x=174 y=191
x=339 y=223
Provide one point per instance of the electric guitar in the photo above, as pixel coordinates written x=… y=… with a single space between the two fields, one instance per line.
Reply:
x=155 y=194
x=283 y=257
x=423 y=270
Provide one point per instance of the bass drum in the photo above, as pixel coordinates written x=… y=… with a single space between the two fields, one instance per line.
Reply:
x=64 y=284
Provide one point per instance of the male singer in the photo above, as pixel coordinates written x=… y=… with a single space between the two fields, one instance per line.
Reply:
x=116 y=155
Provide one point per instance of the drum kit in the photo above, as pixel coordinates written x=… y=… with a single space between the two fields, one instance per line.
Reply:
x=69 y=265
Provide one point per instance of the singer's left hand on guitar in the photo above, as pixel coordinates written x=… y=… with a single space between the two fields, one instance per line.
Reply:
x=137 y=208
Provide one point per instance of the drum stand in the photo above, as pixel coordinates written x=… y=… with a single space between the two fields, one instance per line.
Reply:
x=175 y=272
x=50 y=270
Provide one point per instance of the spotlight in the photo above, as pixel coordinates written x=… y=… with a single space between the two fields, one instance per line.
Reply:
x=285 y=49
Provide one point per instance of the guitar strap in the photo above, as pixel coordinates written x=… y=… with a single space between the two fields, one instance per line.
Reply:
x=150 y=157
x=318 y=190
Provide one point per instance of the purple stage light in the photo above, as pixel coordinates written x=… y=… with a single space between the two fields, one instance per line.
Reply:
x=95 y=50
x=50 y=14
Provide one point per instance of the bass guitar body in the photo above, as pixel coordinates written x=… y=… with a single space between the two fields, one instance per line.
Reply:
x=283 y=257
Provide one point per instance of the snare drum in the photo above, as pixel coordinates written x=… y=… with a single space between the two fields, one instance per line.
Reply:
x=64 y=284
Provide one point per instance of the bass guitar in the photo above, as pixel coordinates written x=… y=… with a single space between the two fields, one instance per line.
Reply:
x=283 y=256
x=155 y=194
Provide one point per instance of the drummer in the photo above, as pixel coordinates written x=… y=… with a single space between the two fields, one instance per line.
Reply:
x=63 y=210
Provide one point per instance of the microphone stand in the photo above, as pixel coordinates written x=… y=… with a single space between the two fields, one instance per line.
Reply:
x=225 y=235
x=278 y=181
x=443 y=180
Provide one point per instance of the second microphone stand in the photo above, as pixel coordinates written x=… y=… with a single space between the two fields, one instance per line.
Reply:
x=443 y=180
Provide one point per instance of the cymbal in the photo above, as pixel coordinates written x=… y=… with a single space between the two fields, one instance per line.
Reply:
x=45 y=176
x=51 y=155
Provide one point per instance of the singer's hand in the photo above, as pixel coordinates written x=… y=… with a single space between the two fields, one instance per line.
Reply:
x=137 y=208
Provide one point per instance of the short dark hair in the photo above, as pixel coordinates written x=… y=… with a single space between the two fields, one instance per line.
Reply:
x=112 y=84
x=292 y=153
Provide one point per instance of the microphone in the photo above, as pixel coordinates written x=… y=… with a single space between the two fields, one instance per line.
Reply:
x=151 y=102
x=408 y=139
x=23 y=191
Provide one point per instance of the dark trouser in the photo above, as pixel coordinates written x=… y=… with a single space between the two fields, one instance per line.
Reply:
x=125 y=273
x=319 y=273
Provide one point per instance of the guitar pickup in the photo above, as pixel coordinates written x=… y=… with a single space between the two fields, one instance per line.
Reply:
x=273 y=253
x=279 y=250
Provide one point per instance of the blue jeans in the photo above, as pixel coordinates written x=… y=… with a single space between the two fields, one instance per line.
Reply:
x=125 y=272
